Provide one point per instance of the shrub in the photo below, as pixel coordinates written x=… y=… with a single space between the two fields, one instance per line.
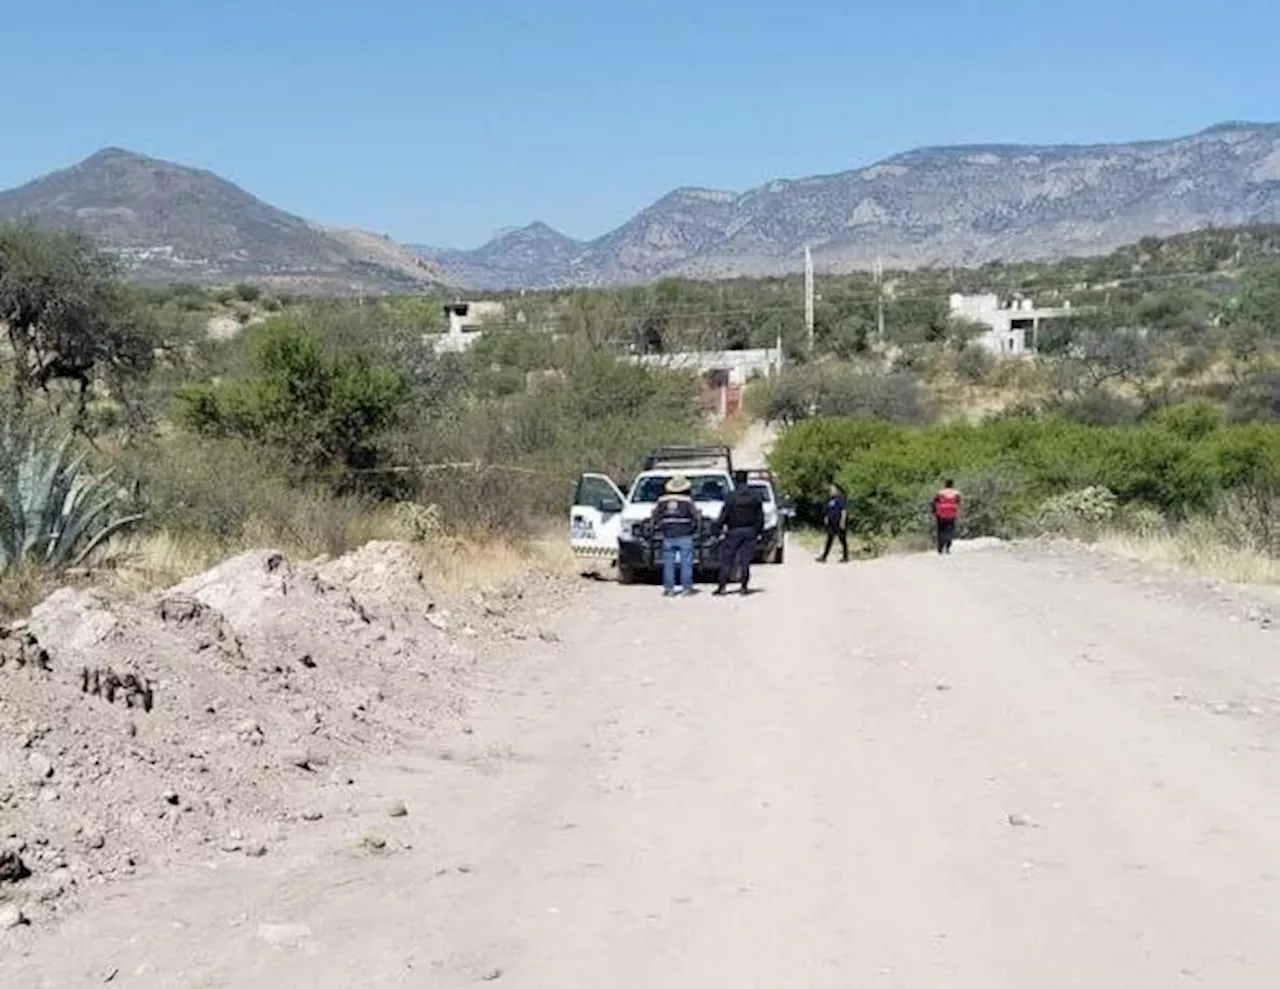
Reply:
x=1256 y=399
x=1190 y=420
x=1098 y=407
x=324 y=412
x=1178 y=465
x=833 y=389
x=229 y=494
x=1077 y=513
x=975 y=363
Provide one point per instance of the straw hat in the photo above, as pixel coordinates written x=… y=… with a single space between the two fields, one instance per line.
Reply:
x=679 y=485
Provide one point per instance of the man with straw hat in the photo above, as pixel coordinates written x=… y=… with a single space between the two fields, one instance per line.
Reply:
x=675 y=517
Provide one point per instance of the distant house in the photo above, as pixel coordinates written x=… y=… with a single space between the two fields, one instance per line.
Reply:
x=1013 y=325
x=466 y=320
x=724 y=373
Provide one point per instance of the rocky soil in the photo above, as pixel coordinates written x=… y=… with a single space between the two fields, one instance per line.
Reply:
x=221 y=713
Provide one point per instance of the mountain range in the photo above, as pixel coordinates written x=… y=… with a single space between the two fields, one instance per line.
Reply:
x=171 y=223
x=933 y=206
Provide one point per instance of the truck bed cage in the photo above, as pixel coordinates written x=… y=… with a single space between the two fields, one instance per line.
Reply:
x=690 y=456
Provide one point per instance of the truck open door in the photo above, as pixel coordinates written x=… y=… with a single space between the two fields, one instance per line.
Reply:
x=595 y=518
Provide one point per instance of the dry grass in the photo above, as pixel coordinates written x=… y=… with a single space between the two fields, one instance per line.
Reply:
x=1193 y=550
x=22 y=590
x=459 y=563
x=731 y=431
x=135 y=565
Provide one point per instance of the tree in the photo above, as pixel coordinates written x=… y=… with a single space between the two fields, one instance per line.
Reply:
x=324 y=411
x=65 y=313
x=1119 y=355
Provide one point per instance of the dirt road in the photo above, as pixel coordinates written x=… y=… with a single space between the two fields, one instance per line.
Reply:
x=1004 y=768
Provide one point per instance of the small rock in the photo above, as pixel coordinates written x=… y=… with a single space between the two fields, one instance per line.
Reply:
x=1021 y=821
x=312 y=815
x=11 y=916
x=171 y=798
x=397 y=809
x=110 y=974
x=942 y=687
x=95 y=840
x=40 y=765
x=250 y=732
x=284 y=935
x=546 y=635
x=12 y=868
x=492 y=975
x=375 y=843
x=306 y=661
x=255 y=850
x=301 y=757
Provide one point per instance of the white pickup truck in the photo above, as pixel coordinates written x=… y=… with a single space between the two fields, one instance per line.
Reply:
x=610 y=528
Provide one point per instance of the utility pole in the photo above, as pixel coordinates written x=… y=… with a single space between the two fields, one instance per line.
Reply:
x=808 y=295
x=879 y=301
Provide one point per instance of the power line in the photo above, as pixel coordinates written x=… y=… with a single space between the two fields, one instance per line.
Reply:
x=868 y=295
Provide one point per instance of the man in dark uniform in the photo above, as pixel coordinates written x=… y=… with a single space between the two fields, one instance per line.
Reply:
x=835 y=519
x=743 y=521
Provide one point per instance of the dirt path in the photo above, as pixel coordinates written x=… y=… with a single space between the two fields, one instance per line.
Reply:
x=1005 y=768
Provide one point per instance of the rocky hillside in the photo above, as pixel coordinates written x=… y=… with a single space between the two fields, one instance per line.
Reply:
x=524 y=256
x=170 y=223
x=960 y=205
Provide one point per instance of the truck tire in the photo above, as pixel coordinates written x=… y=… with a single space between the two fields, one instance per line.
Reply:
x=780 y=552
x=626 y=575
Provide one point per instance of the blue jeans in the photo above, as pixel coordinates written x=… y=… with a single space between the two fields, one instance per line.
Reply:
x=682 y=545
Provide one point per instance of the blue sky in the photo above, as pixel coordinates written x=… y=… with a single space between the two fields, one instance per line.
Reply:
x=441 y=122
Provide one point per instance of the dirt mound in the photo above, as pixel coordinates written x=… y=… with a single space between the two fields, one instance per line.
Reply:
x=131 y=732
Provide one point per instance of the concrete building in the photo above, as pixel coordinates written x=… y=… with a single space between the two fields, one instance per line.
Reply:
x=734 y=367
x=1013 y=325
x=465 y=322
x=724 y=373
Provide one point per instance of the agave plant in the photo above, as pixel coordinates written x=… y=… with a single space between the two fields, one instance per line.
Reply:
x=53 y=513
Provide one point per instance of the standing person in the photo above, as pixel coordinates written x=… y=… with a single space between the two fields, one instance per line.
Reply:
x=676 y=518
x=946 y=513
x=835 y=519
x=743 y=521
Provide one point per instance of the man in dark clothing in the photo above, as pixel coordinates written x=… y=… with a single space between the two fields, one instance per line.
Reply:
x=743 y=521
x=675 y=516
x=946 y=513
x=835 y=519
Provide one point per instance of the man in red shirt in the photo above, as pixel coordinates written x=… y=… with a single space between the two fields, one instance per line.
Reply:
x=946 y=513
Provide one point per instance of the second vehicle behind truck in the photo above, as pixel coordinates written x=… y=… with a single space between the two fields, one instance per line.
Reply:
x=610 y=527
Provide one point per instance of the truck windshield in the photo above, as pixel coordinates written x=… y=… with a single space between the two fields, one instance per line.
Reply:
x=765 y=489
x=706 y=487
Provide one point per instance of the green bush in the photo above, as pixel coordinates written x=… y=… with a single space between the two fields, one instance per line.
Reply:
x=1077 y=513
x=325 y=412
x=1179 y=464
